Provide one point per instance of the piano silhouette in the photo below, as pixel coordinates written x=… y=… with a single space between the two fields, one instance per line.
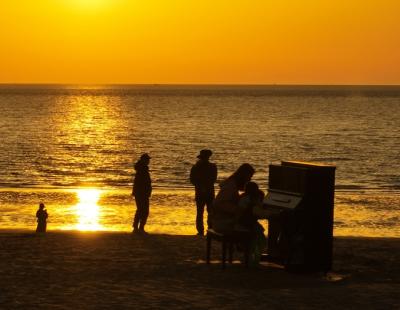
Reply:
x=299 y=207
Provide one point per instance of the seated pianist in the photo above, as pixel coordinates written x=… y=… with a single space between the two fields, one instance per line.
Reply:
x=233 y=213
x=225 y=205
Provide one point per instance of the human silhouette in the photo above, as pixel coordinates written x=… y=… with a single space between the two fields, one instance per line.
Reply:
x=41 y=215
x=203 y=176
x=225 y=207
x=251 y=198
x=141 y=191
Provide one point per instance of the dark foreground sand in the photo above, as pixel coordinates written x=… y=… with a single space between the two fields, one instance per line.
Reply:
x=67 y=270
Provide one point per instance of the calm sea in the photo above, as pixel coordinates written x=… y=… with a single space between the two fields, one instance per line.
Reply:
x=74 y=146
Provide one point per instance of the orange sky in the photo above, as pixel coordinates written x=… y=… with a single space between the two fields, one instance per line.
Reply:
x=207 y=41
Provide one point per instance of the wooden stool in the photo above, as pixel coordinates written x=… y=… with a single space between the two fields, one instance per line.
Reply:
x=228 y=241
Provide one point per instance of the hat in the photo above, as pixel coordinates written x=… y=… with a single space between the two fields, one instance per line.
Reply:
x=204 y=154
x=145 y=156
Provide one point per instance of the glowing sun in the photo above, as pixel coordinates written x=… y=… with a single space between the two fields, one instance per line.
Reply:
x=88 y=210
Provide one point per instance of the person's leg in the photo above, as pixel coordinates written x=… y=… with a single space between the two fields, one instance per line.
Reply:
x=258 y=244
x=137 y=214
x=200 y=203
x=41 y=227
x=144 y=212
x=209 y=210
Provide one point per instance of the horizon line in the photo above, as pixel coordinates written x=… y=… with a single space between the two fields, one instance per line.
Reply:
x=187 y=84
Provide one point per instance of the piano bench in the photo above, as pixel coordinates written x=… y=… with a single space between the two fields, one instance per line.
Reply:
x=228 y=241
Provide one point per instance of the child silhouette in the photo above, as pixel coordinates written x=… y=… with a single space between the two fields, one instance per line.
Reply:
x=42 y=216
x=252 y=197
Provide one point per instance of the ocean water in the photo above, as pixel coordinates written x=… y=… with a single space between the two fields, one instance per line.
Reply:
x=73 y=148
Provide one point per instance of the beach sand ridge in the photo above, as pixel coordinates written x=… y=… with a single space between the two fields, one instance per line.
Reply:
x=64 y=270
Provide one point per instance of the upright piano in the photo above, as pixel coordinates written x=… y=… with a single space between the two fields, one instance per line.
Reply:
x=299 y=207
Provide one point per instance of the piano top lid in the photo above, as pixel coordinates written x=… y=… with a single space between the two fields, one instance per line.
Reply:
x=309 y=165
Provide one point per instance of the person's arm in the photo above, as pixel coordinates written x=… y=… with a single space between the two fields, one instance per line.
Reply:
x=193 y=175
x=150 y=188
x=215 y=173
x=147 y=188
x=133 y=188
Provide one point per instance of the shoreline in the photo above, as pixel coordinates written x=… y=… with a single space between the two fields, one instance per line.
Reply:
x=7 y=232
x=27 y=231
x=105 y=270
x=340 y=189
x=371 y=214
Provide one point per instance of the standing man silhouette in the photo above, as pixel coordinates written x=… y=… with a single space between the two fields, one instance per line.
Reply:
x=141 y=191
x=203 y=176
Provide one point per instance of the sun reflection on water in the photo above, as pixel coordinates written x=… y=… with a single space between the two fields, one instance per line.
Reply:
x=87 y=210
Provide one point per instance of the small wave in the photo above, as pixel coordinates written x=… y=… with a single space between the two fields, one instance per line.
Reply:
x=331 y=159
x=9 y=185
x=390 y=187
x=115 y=172
x=62 y=172
x=350 y=187
x=112 y=152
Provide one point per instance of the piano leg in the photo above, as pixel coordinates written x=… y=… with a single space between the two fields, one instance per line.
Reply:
x=274 y=230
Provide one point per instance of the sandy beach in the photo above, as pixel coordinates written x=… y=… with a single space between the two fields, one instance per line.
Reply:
x=66 y=270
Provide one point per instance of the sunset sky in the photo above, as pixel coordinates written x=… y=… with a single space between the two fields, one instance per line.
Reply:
x=207 y=41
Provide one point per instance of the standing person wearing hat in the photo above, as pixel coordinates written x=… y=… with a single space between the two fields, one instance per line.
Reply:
x=203 y=176
x=141 y=191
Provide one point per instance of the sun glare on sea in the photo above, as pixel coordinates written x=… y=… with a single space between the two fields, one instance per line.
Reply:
x=87 y=210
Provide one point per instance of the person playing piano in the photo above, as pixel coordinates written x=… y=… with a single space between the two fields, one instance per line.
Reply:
x=225 y=207
x=251 y=198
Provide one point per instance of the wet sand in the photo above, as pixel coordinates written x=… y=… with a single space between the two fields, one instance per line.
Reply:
x=67 y=270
